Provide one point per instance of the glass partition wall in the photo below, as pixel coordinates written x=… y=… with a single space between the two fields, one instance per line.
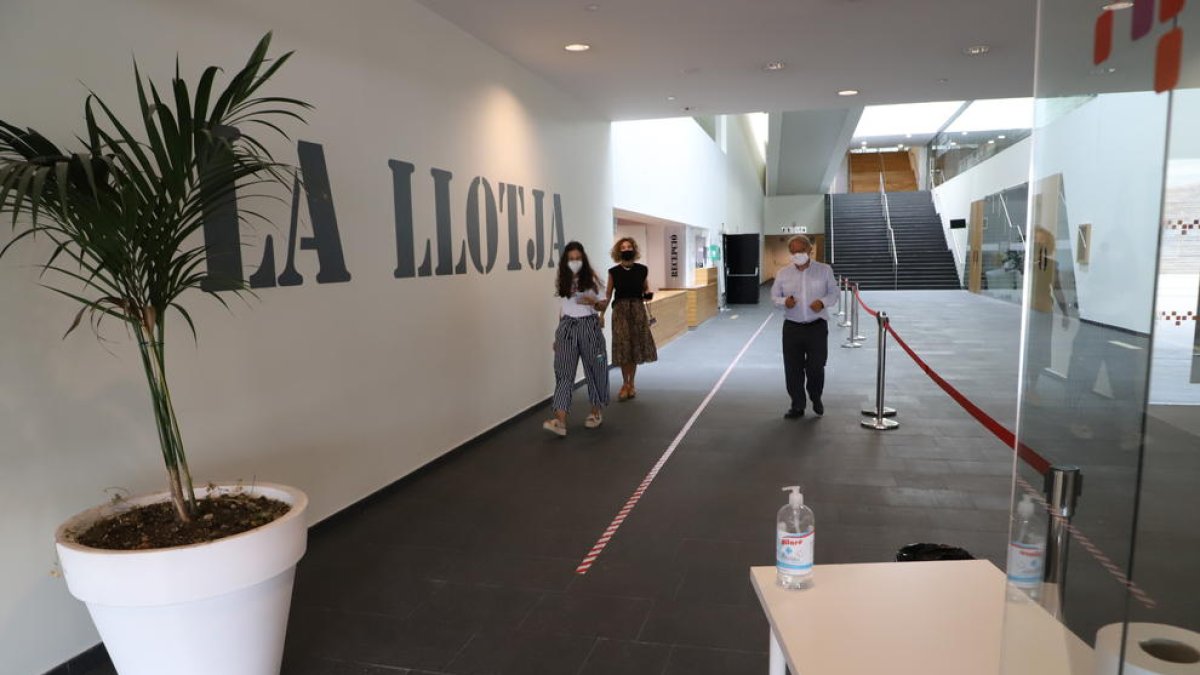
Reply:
x=1110 y=373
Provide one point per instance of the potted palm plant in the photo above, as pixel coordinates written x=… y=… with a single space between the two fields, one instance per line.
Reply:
x=185 y=581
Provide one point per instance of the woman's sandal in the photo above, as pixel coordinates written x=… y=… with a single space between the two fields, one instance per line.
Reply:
x=555 y=427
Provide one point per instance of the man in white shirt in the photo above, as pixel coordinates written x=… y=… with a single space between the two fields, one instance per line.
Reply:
x=805 y=290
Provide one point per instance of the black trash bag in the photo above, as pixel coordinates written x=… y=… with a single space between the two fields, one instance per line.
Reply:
x=923 y=552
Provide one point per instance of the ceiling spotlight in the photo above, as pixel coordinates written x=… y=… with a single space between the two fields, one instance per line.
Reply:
x=991 y=142
x=1002 y=137
x=848 y=92
x=953 y=143
x=775 y=66
x=1117 y=5
x=592 y=7
x=944 y=80
x=977 y=50
x=577 y=47
x=670 y=98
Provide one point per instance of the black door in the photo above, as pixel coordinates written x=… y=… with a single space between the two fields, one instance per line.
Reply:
x=742 y=269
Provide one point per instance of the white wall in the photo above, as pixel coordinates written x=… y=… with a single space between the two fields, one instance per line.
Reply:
x=671 y=170
x=339 y=389
x=953 y=198
x=1112 y=178
x=800 y=210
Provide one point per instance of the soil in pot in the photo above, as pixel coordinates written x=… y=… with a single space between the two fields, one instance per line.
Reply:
x=157 y=526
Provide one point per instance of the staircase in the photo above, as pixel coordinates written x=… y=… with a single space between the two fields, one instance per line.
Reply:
x=860 y=248
x=925 y=259
x=859 y=240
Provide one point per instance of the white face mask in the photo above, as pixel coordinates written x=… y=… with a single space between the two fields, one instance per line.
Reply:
x=800 y=259
x=575 y=265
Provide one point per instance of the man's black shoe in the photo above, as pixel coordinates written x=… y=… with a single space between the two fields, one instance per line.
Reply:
x=818 y=407
x=793 y=414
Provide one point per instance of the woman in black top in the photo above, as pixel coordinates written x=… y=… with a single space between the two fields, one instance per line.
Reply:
x=627 y=290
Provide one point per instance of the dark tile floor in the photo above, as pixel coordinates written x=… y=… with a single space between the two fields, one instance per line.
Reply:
x=468 y=567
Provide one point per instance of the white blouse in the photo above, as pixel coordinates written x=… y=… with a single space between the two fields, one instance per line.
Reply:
x=573 y=308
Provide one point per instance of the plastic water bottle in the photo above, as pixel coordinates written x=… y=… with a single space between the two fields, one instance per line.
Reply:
x=794 y=538
x=1027 y=550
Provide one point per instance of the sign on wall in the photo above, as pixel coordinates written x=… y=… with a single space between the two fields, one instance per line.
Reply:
x=483 y=210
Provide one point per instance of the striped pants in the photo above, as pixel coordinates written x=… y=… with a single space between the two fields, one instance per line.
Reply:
x=578 y=339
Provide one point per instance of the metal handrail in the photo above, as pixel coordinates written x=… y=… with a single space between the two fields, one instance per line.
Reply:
x=832 y=240
x=887 y=217
x=1007 y=217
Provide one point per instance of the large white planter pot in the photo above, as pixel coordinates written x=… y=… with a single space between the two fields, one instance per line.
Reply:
x=219 y=607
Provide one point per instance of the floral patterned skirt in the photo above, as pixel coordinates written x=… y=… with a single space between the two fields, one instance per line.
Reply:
x=632 y=341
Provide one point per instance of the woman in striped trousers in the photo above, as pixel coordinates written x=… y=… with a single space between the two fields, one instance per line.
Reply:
x=579 y=337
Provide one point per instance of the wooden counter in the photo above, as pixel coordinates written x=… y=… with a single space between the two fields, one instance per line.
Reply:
x=701 y=298
x=670 y=309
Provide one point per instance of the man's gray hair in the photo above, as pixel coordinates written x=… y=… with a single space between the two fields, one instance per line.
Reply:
x=800 y=237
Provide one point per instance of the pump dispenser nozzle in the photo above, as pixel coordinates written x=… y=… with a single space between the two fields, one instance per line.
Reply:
x=1025 y=508
x=796 y=498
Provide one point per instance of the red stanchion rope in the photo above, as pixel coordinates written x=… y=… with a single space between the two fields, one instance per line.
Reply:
x=1026 y=453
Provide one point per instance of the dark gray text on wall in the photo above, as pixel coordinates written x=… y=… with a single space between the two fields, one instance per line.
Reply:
x=484 y=207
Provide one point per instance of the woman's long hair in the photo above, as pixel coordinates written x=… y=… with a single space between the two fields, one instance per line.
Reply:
x=587 y=277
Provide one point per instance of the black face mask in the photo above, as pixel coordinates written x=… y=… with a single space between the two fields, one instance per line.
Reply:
x=627 y=255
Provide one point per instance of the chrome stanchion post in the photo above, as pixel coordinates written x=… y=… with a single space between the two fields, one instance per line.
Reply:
x=1064 y=484
x=879 y=410
x=845 y=322
x=851 y=341
x=842 y=287
x=879 y=422
x=854 y=334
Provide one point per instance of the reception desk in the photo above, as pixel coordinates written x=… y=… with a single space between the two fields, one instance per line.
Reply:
x=670 y=310
x=702 y=297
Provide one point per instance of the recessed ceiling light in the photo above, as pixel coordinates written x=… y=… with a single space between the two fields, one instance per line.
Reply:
x=670 y=98
x=864 y=144
x=1002 y=137
x=1117 y=5
x=592 y=8
x=964 y=133
x=953 y=143
x=848 y=92
x=977 y=50
x=908 y=135
x=943 y=80
x=991 y=142
x=577 y=47
x=774 y=66
x=1104 y=71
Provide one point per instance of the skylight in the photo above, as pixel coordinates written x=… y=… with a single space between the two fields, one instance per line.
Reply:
x=995 y=114
x=905 y=118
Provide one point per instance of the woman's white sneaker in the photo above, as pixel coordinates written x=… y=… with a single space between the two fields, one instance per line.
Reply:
x=555 y=427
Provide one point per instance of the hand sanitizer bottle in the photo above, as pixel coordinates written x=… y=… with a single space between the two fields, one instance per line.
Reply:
x=1027 y=550
x=794 y=536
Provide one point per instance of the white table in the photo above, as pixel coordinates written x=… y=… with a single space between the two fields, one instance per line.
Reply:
x=923 y=618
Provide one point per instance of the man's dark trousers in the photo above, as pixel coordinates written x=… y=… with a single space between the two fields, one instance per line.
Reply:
x=805 y=349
